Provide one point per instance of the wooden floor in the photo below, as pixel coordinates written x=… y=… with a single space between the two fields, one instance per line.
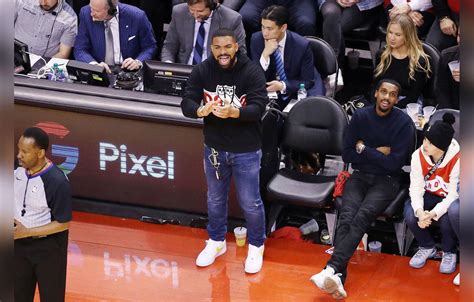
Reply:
x=115 y=259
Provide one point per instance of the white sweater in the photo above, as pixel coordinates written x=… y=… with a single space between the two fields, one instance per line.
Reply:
x=443 y=182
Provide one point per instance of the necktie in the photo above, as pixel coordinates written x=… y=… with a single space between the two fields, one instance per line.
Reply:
x=109 y=45
x=199 y=46
x=280 y=68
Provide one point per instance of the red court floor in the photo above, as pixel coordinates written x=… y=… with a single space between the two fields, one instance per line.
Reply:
x=116 y=259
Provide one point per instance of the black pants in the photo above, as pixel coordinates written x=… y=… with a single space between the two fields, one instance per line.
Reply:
x=365 y=197
x=42 y=261
x=437 y=38
x=338 y=20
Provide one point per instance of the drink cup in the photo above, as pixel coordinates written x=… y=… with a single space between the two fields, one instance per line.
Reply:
x=453 y=65
x=375 y=246
x=240 y=235
x=309 y=227
x=412 y=110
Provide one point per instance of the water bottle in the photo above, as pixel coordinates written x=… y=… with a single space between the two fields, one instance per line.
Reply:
x=302 y=94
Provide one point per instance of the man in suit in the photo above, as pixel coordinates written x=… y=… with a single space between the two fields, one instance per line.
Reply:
x=112 y=33
x=192 y=23
x=275 y=43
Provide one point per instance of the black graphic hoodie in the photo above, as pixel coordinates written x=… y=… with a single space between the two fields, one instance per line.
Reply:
x=243 y=86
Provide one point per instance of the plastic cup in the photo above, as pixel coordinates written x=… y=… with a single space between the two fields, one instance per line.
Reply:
x=309 y=227
x=453 y=65
x=375 y=246
x=240 y=235
x=412 y=110
x=427 y=112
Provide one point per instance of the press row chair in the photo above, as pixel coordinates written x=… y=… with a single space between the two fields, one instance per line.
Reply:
x=325 y=61
x=314 y=125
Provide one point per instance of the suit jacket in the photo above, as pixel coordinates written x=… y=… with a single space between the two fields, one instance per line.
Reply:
x=136 y=35
x=179 y=40
x=298 y=61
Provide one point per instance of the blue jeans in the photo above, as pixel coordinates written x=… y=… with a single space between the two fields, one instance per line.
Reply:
x=423 y=236
x=245 y=167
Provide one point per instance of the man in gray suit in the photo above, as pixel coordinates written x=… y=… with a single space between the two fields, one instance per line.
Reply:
x=191 y=24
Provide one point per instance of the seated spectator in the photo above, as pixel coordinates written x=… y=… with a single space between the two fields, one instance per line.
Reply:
x=377 y=143
x=403 y=60
x=442 y=33
x=434 y=181
x=302 y=15
x=48 y=27
x=341 y=16
x=418 y=10
x=449 y=78
x=192 y=23
x=285 y=56
x=118 y=35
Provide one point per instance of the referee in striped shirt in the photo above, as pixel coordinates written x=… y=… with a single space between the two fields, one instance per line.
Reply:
x=42 y=213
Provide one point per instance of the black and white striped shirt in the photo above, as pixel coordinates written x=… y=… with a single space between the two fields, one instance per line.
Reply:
x=46 y=195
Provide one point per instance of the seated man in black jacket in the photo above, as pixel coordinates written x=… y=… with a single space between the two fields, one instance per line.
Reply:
x=449 y=77
x=377 y=144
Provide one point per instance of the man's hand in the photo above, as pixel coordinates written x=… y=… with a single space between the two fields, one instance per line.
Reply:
x=206 y=109
x=274 y=86
x=20 y=231
x=448 y=27
x=107 y=68
x=416 y=17
x=226 y=111
x=456 y=75
x=399 y=9
x=384 y=149
x=270 y=46
x=131 y=64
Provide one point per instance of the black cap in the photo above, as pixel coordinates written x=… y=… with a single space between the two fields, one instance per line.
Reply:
x=441 y=133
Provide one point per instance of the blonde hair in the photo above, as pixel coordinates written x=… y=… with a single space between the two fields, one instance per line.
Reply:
x=413 y=45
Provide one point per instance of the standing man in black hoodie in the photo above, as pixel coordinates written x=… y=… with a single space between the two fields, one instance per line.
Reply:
x=232 y=91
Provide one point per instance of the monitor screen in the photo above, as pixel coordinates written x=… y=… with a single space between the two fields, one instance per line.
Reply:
x=87 y=73
x=21 y=58
x=165 y=78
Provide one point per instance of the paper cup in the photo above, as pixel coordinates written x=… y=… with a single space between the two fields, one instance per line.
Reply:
x=240 y=235
x=375 y=246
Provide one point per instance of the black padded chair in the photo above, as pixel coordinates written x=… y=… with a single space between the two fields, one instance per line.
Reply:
x=438 y=116
x=394 y=211
x=314 y=125
x=429 y=91
x=325 y=61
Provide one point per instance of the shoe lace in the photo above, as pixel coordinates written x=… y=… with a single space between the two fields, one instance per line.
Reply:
x=423 y=253
x=447 y=258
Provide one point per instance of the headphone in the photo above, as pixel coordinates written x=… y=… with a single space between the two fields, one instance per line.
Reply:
x=55 y=14
x=112 y=11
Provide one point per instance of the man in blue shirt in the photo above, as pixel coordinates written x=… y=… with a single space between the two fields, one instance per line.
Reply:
x=377 y=142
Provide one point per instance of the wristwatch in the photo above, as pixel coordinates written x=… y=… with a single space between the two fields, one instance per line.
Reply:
x=360 y=148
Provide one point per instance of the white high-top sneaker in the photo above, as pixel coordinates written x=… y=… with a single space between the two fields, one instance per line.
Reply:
x=318 y=279
x=212 y=250
x=254 y=261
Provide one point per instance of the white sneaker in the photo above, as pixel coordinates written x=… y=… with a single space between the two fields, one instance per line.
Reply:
x=457 y=279
x=318 y=279
x=333 y=285
x=254 y=261
x=209 y=254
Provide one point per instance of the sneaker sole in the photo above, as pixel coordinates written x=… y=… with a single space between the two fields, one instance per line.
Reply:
x=448 y=272
x=218 y=254
x=331 y=287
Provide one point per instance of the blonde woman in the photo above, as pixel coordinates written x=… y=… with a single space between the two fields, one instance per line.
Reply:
x=404 y=60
